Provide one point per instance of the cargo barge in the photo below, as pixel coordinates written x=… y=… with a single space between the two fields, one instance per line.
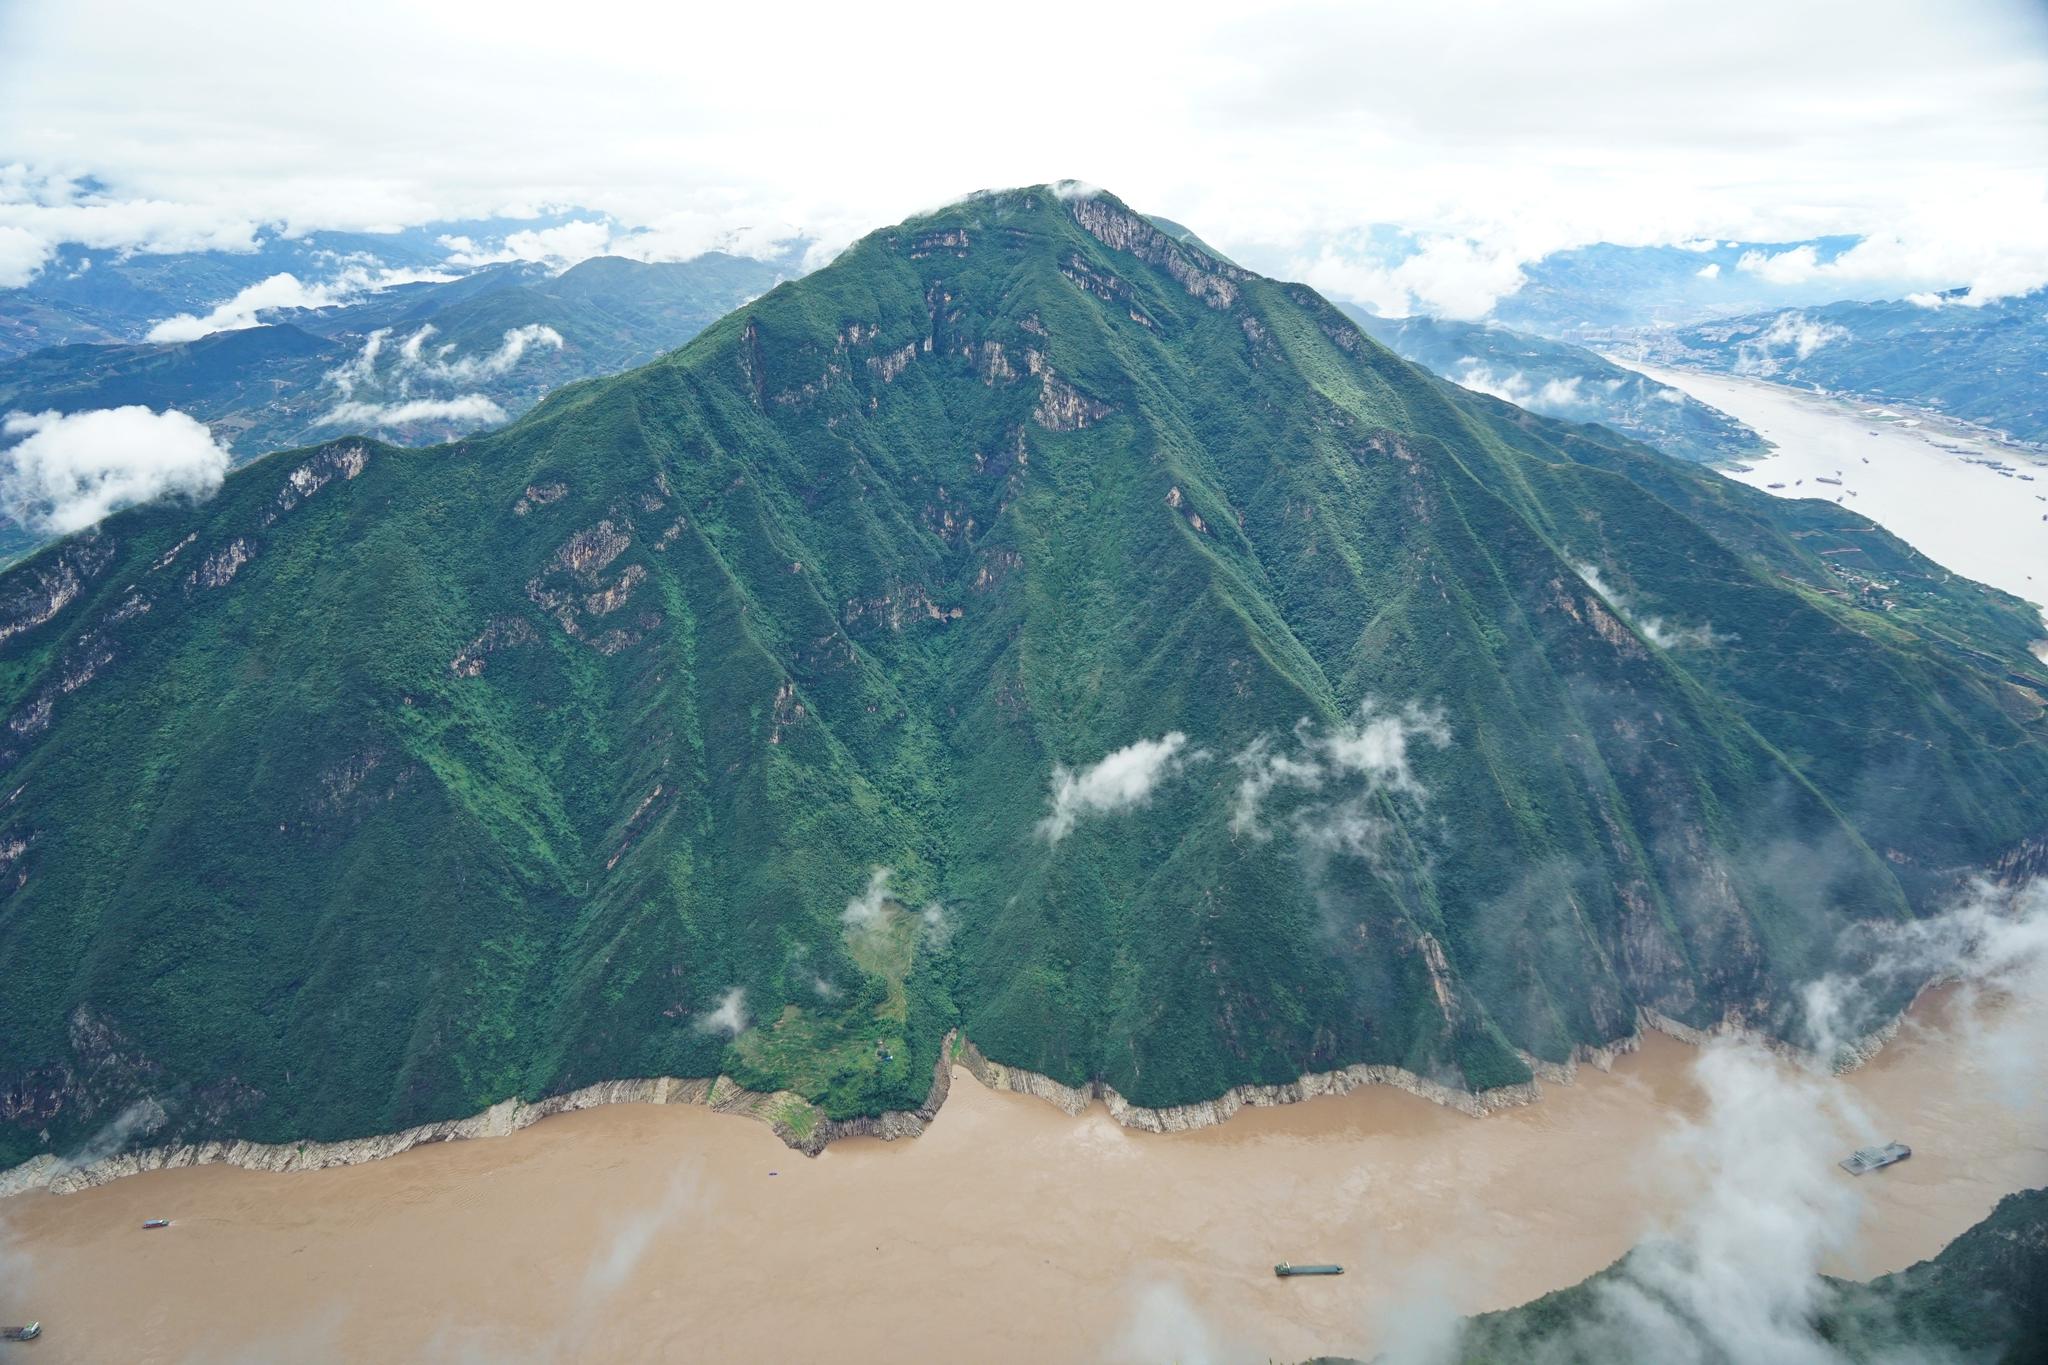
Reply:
x=1865 y=1159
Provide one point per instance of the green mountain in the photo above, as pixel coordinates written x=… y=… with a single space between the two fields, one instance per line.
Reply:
x=1984 y=1298
x=1558 y=379
x=1225 y=698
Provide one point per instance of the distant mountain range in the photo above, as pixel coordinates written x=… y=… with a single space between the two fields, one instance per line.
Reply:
x=1987 y=365
x=1593 y=288
x=1559 y=379
x=1030 y=626
x=411 y=363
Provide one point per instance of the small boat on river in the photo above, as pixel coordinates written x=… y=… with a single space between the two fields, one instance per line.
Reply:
x=1865 y=1159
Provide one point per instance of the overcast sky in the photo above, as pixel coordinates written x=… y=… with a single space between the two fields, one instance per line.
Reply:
x=1496 y=132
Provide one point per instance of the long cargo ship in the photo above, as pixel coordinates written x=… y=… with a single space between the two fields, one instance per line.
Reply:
x=1285 y=1269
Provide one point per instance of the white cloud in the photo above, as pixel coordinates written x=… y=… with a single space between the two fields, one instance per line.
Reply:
x=1789 y=332
x=1655 y=629
x=1921 y=126
x=1793 y=266
x=381 y=371
x=1453 y=277
x=464 y=408
x=22 y=254
x=730 y=1016
x=674 y=235
x=563 y=245
x=1553 y=397
x=868 y=911
x=936 y=924
x=1710 y=271
x=1368 y=754
x=511 y=348
x=1737 y=1276
x=1121 y=781
x=66 y=471
x=1995 y=941
x=283 y=291
x=1164 y=1324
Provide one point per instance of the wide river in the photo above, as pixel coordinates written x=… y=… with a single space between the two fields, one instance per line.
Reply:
x=1923 y=482
x=1009 y=1231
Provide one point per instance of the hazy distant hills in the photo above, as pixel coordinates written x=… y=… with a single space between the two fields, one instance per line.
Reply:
x=99 y=295
x=262 y=388
x=412 y=363
x=1559 y=379
x=1593 y=288
x=1029 y=624
x=1987 y=365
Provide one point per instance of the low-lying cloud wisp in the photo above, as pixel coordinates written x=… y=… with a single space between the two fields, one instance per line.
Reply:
x=1738 y=1274
x=729 y=1017
x=1123 y=780
x=284 y=292
x=1372 y=746
x=386 y=377
x=469 y=409
x=868 y=914
x=1792 y=336
x=1655 y=629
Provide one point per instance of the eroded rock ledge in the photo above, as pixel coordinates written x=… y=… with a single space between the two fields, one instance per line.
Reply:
x=789 y=1114
x=797 y=1123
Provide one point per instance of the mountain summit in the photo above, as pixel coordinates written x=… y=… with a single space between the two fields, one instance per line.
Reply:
x=1031 y=624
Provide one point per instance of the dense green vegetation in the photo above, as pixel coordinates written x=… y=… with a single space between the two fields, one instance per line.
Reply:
x=391 y=782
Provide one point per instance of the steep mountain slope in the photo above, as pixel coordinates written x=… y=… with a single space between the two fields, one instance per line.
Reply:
x=1028 y=623
x=1985 y=364
x=1558 y=379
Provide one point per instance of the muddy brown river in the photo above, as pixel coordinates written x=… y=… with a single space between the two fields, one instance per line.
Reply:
x=1008 y=1232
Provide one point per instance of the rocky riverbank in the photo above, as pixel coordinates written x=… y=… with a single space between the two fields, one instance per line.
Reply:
x=798 y=1123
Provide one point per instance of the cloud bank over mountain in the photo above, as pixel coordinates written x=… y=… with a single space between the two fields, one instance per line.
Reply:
x=1920 y=131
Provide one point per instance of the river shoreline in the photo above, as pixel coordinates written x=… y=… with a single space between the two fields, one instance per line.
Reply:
x=721 y=1094
x=1969 y=501
x=666 y=1232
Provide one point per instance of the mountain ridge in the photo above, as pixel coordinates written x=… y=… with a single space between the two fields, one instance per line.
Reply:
x=639 y=692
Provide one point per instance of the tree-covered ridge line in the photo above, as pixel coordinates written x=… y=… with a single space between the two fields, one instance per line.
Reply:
x=391 y=783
